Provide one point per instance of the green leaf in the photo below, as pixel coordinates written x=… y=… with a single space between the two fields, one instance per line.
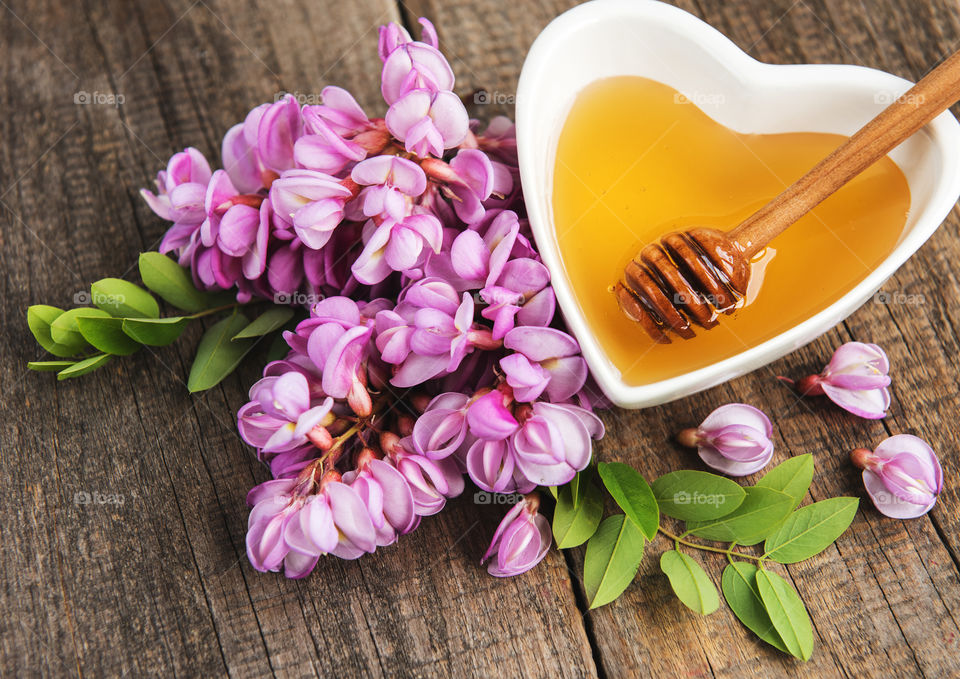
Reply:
x=811 y=529
x=106 y=334
x=580 y=482
x=171 y=282
x=792 y=477
x=690 y=582
x=696 y=496
x=632 y=492
x=123 y=299
x=739 y=585
x=761 y=512
x=83 y=367
x=787 y=612
x=156 y=332
x=39 y=318
x=574 y=523
x=217 y=356
x=612 y=559
x=65 y=331
x=267 y=322
x=49 y=366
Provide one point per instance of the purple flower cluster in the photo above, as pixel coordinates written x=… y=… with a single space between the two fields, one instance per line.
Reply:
x=434 y=350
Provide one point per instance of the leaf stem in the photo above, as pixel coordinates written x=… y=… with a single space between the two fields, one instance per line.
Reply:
x=729 y=552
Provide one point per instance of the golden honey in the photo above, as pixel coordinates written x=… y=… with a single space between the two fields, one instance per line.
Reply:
x=635 y=160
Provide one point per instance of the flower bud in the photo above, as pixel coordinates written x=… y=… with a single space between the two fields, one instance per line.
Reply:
x=734 y=439
x=902 y=476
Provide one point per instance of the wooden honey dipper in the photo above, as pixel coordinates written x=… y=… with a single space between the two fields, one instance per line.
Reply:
x=694 y=275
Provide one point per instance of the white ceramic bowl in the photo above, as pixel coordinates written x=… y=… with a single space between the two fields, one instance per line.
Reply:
x=607 y=38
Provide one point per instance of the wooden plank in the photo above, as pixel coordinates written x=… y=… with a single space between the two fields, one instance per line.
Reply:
x=882 y=599
x=160 y=585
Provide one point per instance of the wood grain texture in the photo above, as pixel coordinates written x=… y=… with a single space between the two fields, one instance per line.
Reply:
x=160 y=585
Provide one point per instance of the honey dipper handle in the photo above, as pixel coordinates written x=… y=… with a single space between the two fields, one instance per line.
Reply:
x=922 y=103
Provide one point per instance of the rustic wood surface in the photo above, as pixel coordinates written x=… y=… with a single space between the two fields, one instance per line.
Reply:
x=160 y=586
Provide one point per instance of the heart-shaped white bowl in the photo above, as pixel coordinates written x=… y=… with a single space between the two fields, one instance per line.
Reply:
x=607 y=38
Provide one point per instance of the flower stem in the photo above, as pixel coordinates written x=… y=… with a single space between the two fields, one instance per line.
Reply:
x=678 y=540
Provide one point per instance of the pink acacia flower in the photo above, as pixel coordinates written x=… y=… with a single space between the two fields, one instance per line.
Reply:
x=548 y=443
x=281 y=414
x=442 y=428
x=521 y=541
x=468 y=179
x=903 y=476
x=546 y=360
x=337 y=340
x=386 y=495
x=522 y=294
x=431 y=482
x=181 y=188
x=313 y=202
x=275 y=129
x=428 y=122
x=856 y=379
x=293 y=524
x=479 y=260
x=430 y=332
x=734 y=439
x=409 y=65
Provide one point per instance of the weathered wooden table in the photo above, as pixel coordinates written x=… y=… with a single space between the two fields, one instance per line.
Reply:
x=160 y=585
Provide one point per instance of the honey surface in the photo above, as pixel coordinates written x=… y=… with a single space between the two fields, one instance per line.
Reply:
x=635 y=161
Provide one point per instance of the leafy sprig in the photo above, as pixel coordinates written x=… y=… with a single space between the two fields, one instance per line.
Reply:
x=719 y=511
x=124 y=317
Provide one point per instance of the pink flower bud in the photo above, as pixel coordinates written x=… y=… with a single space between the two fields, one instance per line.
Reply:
x=855 y=379
x=521 y=541
x=734 y=439
x=903 y=476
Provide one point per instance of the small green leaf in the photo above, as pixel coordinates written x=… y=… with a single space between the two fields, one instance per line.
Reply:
x=217 y=356
x=39 y=318
x=632 y=492
x=696 y=496
x=123 y=299
x=574 y=524
x=49 y=366
x=761 y=512
x=65 y=331
x=156 y=332
x=792 y=477
x=171 y=282
x=690 y=582
x=106 y=334
x=267 y=322
x=739 y=585
x=83 y=367
x=612 y=559
x=787 y=612
x=811 y=529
